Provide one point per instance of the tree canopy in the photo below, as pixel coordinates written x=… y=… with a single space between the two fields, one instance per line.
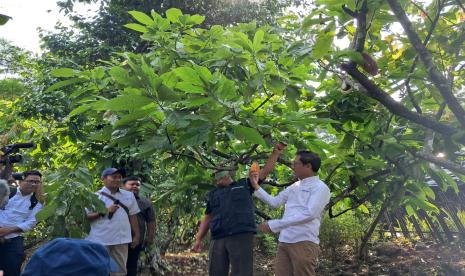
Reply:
x=374 y=87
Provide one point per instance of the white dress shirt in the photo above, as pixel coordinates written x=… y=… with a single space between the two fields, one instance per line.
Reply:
x=17 y=214
x=116 y=230
x=304 y=201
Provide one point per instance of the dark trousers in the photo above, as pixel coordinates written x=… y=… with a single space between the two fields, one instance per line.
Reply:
x=236 y=250
x=133 y=258
x=11 y=256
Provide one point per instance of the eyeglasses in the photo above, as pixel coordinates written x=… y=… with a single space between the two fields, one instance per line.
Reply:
x=33 y=182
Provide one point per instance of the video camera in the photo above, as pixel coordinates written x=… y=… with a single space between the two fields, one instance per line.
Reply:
x=11 y=149
x=9 y=156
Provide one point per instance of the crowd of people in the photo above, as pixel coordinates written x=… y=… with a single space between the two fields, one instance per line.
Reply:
x=128 y=225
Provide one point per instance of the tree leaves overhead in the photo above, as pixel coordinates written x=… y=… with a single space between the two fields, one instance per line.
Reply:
x=248 y=134
x=195 y=98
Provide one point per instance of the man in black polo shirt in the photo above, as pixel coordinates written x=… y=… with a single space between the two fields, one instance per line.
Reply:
x=230 y=217
x=146 y=219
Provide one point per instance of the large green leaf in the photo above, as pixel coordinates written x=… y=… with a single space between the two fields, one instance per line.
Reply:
x=4 y=19
x=120 y=75
x=323 y=43
x=257 y=40
x=142 y=18
x=248 y=134
x=64 y=83
x=64 y=72
x=46 y=212
x=189 y=75
x=173 y=15
x=136 y=27
x=127 y=102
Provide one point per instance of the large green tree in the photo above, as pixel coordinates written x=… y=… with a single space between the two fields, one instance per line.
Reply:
x=99 y=36
x=382 y=105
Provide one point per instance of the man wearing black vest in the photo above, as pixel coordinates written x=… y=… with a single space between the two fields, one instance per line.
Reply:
x=16 y=217
x=230 y=217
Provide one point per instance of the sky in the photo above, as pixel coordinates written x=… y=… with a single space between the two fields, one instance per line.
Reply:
x=27 y=16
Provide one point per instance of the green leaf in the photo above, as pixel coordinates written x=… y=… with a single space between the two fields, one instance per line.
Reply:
x=352 y=55
x=120 y=75
x=243 y=41
x=189 y=75
x=196 y=19
x=4 y=19
x=136 y=27
x=79 y=110
x=196 y=135
x=173 y=15
x=276 y=84
x=64 y=83
x=364 y=209
x=257 y=40
x=64 y=72
x=322 y=44
x=132 y=117
x=248 y=134
x=46 y=212
x=127 y=102
x=189 y=88
x=142 y=18
x=310 y=21
x=410 y=211
x=429 y=192
x=196 y=101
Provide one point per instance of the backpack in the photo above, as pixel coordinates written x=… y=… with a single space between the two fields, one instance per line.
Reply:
x=34 y=201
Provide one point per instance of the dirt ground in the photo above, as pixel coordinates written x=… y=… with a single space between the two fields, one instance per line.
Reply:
x=390 y=258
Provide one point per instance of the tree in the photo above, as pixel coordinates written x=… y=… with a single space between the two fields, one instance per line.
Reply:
x=103 y=35
x=199 y=98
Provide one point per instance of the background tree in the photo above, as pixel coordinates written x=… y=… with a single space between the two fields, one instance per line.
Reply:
x=100 y=36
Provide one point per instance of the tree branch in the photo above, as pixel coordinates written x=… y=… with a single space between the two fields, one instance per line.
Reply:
x=373 y=91
x=328 y=178
x=441 y=83
x=221 y=154
x=275 y=184
x=262 y=103
x=422 y=10
x=440 y=162
x=412 y=68
x=360 y=35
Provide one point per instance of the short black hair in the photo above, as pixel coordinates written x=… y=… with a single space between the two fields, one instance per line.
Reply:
x=31 y=172
x=131 y=178
x=309 y=157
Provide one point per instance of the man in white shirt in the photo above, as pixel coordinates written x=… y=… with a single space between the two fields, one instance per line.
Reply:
x=299 y=227
x=18 y=216
x=113 y=229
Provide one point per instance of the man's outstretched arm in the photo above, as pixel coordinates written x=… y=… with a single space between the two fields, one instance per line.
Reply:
x=269 y=165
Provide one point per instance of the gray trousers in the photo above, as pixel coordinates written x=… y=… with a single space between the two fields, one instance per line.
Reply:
x=236 y=250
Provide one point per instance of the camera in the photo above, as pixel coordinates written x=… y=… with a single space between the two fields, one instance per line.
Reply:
x=12 y=159
x=13 y=148
x=18 y=176
x=9 y=156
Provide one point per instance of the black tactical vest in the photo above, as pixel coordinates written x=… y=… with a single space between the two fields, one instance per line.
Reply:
x=232 y=210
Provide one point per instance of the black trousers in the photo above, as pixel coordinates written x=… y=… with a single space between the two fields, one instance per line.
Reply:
x=133 y=258
x=11 y=256
x=236 y=250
